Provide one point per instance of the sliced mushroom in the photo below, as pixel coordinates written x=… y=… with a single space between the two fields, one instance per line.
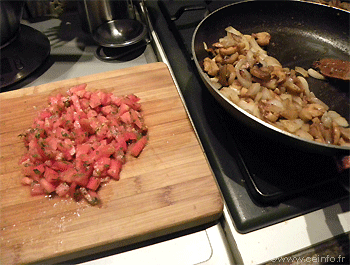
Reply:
x=228 y=51
x=230 y=59
x=335 y=132
x=210 y=67
x=262 y=38
x=263 y=73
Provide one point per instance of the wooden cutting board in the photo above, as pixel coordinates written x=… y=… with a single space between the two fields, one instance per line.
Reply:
x=168 y=188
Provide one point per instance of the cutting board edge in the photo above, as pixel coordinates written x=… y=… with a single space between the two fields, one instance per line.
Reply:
x=130 y=243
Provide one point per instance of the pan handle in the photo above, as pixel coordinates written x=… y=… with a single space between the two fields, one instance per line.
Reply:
x=343 y=166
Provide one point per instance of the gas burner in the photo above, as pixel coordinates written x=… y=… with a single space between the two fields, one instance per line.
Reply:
x=122 y=53
x=23 y=55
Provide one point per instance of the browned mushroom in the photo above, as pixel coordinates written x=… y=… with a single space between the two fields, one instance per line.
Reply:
x=263 y=73
x=262 y=38
x=210 y=67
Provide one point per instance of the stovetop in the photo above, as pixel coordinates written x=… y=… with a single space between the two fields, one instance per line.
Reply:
x=263 y=183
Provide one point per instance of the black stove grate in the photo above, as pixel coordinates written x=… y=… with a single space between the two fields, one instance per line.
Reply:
x=263 y=183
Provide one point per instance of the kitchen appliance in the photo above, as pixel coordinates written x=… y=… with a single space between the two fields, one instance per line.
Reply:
x=260 y=180
x=95 y=13
x=23 y=49
x=113 y=24
x=11 y=13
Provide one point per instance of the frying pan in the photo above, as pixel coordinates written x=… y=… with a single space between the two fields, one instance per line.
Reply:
x=302 y=32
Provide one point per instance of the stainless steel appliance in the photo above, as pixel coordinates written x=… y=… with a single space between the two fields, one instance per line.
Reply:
x=23 y=49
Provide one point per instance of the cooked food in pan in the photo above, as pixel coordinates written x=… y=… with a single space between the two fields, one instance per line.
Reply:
x=244 y=73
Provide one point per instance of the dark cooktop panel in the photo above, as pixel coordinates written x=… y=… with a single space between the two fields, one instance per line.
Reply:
x=263 y=182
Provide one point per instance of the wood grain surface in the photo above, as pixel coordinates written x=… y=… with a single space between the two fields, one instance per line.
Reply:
x=168 y=188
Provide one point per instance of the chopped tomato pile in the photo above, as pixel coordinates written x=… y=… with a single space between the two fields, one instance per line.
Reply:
x=80 y=141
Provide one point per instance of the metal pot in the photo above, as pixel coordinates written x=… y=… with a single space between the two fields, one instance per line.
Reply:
x=11 y=14
x=95 y=13
x=303 y=32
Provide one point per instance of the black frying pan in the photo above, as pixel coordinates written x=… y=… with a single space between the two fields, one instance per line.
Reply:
x=302 y=32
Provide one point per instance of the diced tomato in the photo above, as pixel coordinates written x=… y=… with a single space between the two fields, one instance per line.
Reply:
x=28 y=171
x=136 y=119
x=102 y=131
x=78 y=115
x=81 y=178
x=121 y=143
x=107 y=109
x=87 y=94
x=62 y=189
x=95 y=101
x=67 y=148
x=105 y=98
x=39 y=170
x=51 y=175
x=101 y=166
x=84 y=103
x=129 y=136
x=56 y=104
x=80 y=135
x=68 y=175
x=105 y=150
x=26 y=181
x=94 y=123
x=76 y=89
x=52 y=142
x=47 y=186
x=81 y=140
x=73 y=192
x=116 y=100
x=93 y=183
x=25 y=160
x=131 y=101
x=123 y=108
x=94 y=196
x=48 y=125
x=138 y=146
x=82 y=149
x=61 y=133
x=91 y=113
x=36 y=189
x=35 y=150
x=48 y=163
x=114 y=169
x=76 y=103
x=133 y=98
x=102 y=119
x=45 y=114
x=61 y=165
x=126 y=117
